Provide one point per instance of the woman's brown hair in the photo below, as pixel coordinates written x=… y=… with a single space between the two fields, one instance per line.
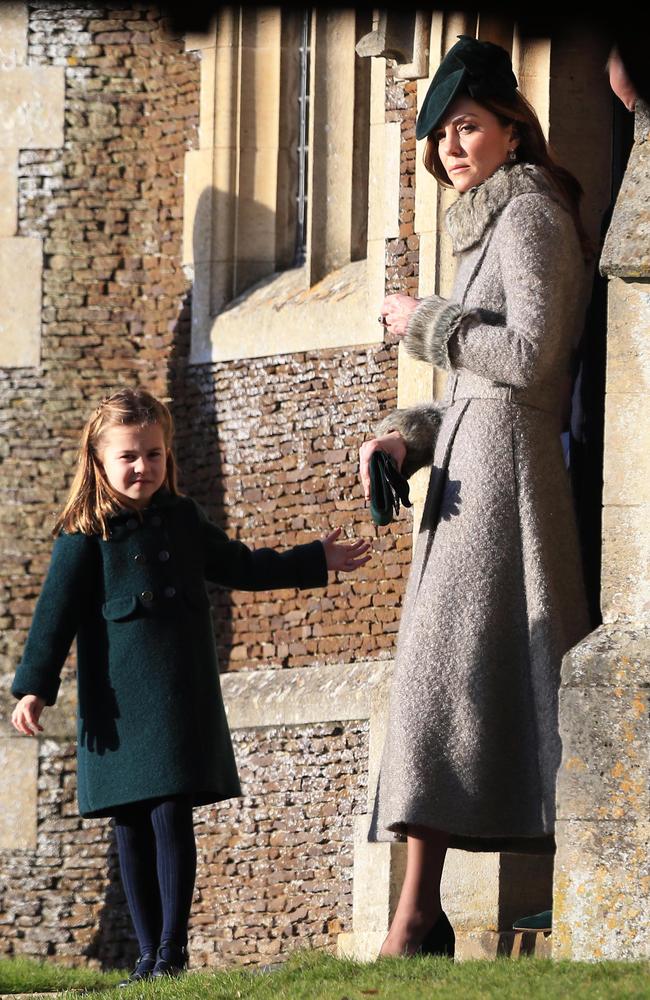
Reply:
x=92 y=500
x=532 y=148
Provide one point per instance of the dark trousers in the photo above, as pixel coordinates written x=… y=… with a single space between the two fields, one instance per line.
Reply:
x=157 y=852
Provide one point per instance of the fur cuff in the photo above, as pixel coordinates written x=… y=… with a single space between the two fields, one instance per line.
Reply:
x=429 y=329
x=419 y=427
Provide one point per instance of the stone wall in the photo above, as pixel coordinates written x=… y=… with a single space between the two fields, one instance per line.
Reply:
x=270 y=447
x=274 y=867
x=106 y=206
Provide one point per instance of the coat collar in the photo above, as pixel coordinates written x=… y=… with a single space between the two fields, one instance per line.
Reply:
x=161 y=499
x=474 y=211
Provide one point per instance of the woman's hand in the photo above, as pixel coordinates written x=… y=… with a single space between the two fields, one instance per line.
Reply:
x=393 y=443
x=396 y=312
x=26 y=714
x=343 y=556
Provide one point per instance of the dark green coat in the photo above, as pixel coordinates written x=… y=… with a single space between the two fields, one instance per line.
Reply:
x=151 y=720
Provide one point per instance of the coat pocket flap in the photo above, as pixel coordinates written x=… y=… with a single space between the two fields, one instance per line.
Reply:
x=196 y=597
x=119 y=608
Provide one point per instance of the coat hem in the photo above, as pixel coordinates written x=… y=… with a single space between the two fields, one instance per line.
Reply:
x=199 y=798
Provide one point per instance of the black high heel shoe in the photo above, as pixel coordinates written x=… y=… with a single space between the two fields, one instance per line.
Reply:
x=440 y=940
x=144 y=966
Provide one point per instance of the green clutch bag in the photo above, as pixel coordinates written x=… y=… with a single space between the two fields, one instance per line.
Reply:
x=388 y=488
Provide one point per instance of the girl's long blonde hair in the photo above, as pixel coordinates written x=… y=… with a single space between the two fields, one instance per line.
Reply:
x=92 y=500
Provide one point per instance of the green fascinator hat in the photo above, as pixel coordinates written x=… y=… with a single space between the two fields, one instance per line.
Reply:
x=480 y=69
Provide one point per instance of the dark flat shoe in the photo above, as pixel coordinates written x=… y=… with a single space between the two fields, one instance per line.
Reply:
x=538 y=922
x=171 y=961
x=441 y=939
x=144 y=967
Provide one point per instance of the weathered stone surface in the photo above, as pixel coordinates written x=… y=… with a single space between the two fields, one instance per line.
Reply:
x=628 y=344
x=487 y=892
x=21 y=264
x=301 y=695
x=18 y=766
x=602 y=890
x=602 y=873
x=626 y=252
x=625 y=583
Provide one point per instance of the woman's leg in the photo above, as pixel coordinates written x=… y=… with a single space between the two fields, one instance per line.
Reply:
x=136 y=848
x=419 y=903
x=176 y=856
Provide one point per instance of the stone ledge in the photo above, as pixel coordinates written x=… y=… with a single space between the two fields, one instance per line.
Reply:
x=281 y=314
x=616 y=655
x=626 y=252
x=302 y=695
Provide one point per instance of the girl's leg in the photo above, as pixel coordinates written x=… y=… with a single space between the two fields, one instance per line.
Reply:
x=419 y=903
x=176 y=855
x=136 y=848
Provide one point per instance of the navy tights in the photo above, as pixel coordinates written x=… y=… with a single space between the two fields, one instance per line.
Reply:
x=157 y=852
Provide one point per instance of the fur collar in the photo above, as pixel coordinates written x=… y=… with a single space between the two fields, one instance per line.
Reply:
x=469 y=217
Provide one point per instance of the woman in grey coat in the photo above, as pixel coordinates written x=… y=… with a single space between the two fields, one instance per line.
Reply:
x=495 y=595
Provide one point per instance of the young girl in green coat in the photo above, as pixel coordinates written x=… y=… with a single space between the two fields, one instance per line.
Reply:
x=127 y=577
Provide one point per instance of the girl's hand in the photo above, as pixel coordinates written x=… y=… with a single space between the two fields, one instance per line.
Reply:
x=26 y=714
x=393 y=443
x=396 y=311
x=343 y=556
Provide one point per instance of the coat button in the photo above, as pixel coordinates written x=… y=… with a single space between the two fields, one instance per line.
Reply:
x=132 y=523
x=170 y=591
x=140 y=557
x=164 y=555
x=156 y=520
x=146 y=596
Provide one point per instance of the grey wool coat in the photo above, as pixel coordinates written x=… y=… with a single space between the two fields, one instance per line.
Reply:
x=151 y=720
x=495 y=595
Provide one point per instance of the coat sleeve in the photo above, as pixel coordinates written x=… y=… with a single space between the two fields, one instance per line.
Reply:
x=541 y=268
x=418 y=426
x=234 y=565
x=56 y=618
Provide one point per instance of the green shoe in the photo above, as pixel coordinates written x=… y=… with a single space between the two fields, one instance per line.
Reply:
x=538 y=922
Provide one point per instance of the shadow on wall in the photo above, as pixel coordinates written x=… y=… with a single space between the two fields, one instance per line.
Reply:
x=113 y=943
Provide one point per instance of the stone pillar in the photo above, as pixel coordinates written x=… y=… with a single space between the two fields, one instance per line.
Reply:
x=602 y=871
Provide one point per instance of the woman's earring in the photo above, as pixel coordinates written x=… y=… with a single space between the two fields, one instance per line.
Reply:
x=512 y=155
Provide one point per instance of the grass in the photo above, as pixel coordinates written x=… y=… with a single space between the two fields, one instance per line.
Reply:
x=317 y=976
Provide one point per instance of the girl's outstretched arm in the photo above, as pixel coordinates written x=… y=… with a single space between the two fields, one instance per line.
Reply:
x=342 y=556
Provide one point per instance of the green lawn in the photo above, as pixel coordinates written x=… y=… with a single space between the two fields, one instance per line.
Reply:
x=316 y=976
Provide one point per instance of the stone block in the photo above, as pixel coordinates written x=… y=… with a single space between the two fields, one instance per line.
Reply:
x=334 y=313
x=207 y=102
x=628 y=343
x=602 y=872
x=300 y=695
x=488 y=891
x=21 y=265
x=13 y=35
x=625 y=578
x=627 y=449
x=384 y=181
x=601 y=899
x=626 y=252
x=198 y=206
x=8 y=191
x=31 y=107
x=19 y=767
